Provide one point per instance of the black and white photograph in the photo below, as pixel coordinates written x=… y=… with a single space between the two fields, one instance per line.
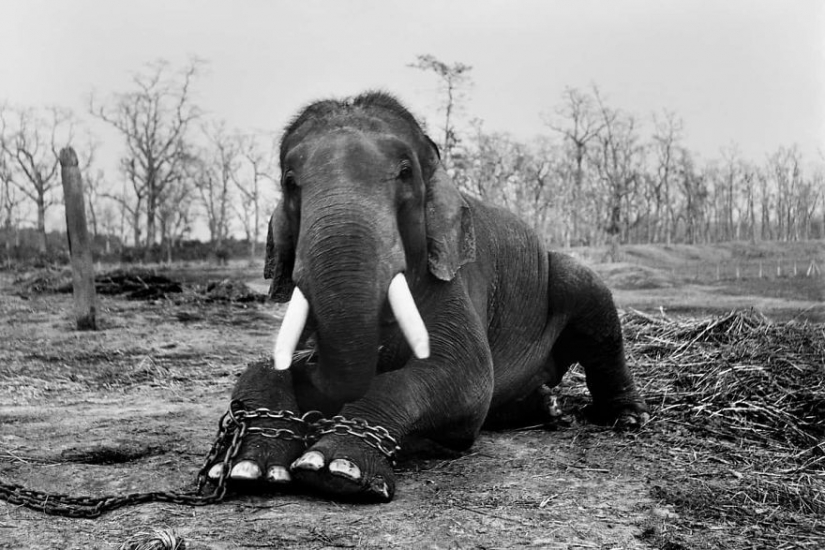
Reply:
x=442 y=275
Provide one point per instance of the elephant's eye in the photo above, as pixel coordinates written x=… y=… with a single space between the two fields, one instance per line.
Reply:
x=289 y=182
x=405 y=170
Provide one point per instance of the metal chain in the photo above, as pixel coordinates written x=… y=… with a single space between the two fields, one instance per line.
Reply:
x=228 y=440
x=232 y=428
x=236 y=414
x=376 y=437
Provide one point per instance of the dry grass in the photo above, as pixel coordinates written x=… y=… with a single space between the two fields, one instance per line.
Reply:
x=739 y=407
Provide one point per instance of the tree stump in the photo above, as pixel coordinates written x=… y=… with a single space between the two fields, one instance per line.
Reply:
x=83 y=278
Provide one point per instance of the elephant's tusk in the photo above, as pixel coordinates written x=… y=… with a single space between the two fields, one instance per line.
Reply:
x=408 y=317
x=293 y=324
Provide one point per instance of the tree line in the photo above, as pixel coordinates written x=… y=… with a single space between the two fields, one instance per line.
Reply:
x=176 y=164
x=595 y=177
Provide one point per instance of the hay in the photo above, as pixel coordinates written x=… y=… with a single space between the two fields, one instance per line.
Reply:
x=739 y=405
x=156 y=539
x=228 y=290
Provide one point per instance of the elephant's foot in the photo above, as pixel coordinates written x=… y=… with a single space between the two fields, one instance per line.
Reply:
x=345 y=466
x=629 y=414
x=263 y=460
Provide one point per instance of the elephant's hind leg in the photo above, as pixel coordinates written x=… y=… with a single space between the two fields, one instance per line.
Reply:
x=592 y=337
x=615 y=398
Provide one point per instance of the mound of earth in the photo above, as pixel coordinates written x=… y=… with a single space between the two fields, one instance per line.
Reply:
x=228 y=290
x=628 y=276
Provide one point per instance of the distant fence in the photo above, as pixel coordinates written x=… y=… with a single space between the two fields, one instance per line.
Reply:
x=727 y=270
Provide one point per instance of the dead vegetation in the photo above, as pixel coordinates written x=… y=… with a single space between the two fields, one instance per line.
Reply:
x=739 y=414
x=138 y=284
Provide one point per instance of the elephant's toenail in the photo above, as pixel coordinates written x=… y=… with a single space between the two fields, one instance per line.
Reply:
x=215 y=471
x=312 y=460
x=551 y=405
x=245 y=469
x=278 y=474
x=345 y=468
x=379 y=487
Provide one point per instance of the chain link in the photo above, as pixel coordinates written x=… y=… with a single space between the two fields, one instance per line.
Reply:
x=228 y=440
x=376 y=437
x=232 y=428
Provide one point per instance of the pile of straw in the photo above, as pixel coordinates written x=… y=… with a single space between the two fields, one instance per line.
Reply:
x=738 y=402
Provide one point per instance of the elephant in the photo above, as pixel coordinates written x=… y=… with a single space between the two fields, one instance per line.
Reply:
x=431 y=313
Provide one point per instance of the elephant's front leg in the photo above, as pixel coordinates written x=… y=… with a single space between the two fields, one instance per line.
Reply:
x=445 y=397
x=271 y=444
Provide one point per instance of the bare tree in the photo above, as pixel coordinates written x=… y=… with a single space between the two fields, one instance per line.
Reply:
x=666 y=139
x=579 y=123
x=693 y=186
x=130 y=204
x=766 y=197
x=454 y=80
x=111 y=223
x=10 y=201
x=31 y=142
x=219 y=161
x=728 y=182
x=749 y=189
x=488 y=168
x=93 y=184
x=259 y=167
x=785 y=171
x=810 y=197
x=127 y=213
x=617 y=161
x=176 y=211
x=154 y=119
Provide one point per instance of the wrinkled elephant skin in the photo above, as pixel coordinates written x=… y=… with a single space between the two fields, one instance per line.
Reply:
x=366 y=200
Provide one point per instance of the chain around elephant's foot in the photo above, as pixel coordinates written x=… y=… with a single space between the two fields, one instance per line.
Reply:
x=349 y=466
x=272 y=441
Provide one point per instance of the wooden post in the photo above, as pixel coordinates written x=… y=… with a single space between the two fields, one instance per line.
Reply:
x=83 y=276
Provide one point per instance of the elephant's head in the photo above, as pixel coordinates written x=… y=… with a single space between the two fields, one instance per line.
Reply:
x=365 y=198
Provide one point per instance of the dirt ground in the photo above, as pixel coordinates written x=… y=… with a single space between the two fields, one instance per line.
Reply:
x=134 y=407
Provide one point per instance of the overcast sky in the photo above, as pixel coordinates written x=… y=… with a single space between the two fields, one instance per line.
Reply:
x=750 y=72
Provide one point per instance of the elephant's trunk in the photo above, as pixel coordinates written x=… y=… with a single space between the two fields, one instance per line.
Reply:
x=345 y=283
x=339 y=273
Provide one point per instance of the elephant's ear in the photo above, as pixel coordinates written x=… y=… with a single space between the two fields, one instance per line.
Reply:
x=280 y=256
x=451 y=239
